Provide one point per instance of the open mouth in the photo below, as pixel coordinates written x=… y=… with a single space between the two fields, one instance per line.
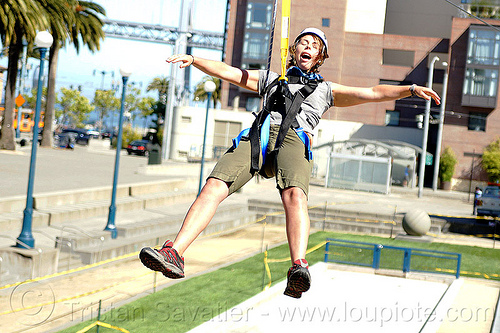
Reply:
x=305 y=56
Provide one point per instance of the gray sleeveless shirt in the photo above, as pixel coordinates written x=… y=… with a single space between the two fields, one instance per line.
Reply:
x=313 y=106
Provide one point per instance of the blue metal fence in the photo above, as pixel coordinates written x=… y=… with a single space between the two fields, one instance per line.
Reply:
x=373 y=255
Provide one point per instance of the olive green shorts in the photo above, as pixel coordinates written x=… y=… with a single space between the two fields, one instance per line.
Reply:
x=290 y=166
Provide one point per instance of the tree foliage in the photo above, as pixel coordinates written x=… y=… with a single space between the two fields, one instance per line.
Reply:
x=78 y=22
x=75 y=107
x=491 y=160
x=105 y=102
x=19 y=19
x=447 y=164
x=160 y=85
x=201 y=95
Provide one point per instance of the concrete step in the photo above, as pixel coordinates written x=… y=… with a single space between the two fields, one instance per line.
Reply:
x=226 y=218
x=347 y=220
x=60 y=207
x=68 y=261
x=14 y=220
x=12 y=204
x=160 y=199
x=59 y=215
x=47 y=201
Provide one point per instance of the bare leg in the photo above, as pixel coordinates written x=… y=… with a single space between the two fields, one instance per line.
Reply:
x=200 y=213
x=297 y=221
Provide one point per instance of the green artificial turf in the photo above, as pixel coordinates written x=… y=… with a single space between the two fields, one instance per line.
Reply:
x=185 y=305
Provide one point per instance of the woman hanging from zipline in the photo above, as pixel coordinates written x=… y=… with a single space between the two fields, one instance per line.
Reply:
x=278 y=145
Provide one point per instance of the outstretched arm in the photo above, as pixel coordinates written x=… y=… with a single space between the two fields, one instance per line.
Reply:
x=349 y=96
x=247 y=79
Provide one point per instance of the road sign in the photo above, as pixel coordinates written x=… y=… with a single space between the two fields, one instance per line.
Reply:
x=428 y=159
x=19 y=100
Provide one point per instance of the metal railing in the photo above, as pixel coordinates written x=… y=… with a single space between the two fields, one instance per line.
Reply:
x=84 y=233
x=58 y=244
x=379 y=256
x=480 y=9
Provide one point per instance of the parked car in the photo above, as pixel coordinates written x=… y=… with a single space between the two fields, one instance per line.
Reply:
x=82 y=136
x=93 y=133
x=489 y=203
x=138 y=147
x=107 y=134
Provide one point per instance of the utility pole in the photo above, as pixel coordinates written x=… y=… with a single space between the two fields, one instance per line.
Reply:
x=176 y=81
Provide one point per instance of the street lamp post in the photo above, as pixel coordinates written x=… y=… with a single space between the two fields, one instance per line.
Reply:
x=125 y=73
x=440 y=128
x=426 y=131
x=21 y=87
x=43 y=41
x=209 y=87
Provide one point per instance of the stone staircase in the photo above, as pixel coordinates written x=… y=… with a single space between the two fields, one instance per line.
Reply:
x=343 y=219
x=71 y=223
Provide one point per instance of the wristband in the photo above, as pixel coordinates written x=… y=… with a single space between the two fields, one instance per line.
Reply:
x=412 y=90
x=192 y=62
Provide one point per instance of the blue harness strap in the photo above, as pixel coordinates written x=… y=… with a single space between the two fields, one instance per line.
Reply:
x=305 y=140
x=264 y=137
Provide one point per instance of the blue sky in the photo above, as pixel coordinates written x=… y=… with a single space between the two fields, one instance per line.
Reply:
x=146 y=59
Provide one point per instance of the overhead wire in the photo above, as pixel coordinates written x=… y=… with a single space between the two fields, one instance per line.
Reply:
x=474 y=16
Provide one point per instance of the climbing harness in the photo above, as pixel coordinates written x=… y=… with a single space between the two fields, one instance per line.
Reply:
x=289 y=106
x=282 y=101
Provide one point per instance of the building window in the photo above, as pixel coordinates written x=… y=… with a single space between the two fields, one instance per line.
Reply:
x=481 y=82
x=484 y=47
x=259 y=15
x=325 y=22
x=255 y=45
x=398 y=57
x=477 y=122
x=481 y=68
x=392 y=118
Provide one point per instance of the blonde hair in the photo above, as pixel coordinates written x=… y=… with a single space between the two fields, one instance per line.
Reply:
x=321 y=57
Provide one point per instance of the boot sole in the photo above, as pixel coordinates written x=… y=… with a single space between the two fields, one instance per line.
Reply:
x=155 y=261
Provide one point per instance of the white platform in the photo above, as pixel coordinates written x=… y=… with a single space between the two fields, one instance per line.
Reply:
x=338 y=301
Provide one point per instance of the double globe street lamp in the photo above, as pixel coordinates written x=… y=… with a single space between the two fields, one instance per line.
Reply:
x=43 y=41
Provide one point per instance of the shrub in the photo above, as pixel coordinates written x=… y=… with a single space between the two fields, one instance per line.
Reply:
x=491 y=160
x=447 y=164
x=128 y=135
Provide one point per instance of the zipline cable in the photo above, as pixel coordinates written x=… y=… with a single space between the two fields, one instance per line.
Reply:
x=271 y=40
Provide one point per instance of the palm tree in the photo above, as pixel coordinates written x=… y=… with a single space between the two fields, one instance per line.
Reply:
x=18 y=19
x=82 y=24
x=159 y=84
x=201 y=95
x=60 y=18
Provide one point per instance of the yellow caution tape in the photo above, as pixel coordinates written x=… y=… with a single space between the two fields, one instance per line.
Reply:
x=100 y=323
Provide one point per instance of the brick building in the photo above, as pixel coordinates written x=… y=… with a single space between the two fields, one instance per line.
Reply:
x=391 y=42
